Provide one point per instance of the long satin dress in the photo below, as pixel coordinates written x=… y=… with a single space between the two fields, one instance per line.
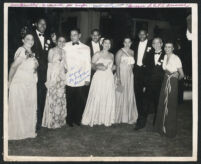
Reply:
x=126 y=109
x=100 y=106
x=22 y=107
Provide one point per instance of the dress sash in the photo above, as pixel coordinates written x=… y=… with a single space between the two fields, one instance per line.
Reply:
x=167 y=92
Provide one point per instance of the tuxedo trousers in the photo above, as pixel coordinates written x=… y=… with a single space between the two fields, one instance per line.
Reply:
x=139 y=85
x=152 y=94
x=76 y=98
x=41 y=96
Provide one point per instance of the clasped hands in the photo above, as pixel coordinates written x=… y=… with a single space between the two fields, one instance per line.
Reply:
x=101 y=66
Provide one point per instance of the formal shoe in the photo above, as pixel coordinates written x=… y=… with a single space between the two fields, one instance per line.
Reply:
x=78 y=123
x=38 y=128
x=138 y=127
x=70 y=124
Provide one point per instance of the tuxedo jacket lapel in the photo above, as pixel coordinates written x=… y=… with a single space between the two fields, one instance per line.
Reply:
x=91 y=48
x=37 y=40
x=145 y=52
x=162 y=56
x=159 y=60
x=136 y=53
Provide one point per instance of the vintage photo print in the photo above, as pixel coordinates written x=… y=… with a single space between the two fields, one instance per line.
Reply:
x=100 y=82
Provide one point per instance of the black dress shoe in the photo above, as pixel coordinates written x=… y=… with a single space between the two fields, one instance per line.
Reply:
x=138 y=127
x=38 y=128
x=70 y=124
x=78 y=123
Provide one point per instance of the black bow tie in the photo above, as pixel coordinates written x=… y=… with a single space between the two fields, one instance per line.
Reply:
x=74 y=43
x=41 y=34
x=157 y=53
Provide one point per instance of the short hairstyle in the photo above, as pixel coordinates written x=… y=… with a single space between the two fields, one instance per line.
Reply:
x=107 y=39
x=60 y=36
x=170 y=42
x=25 y=31
x=39 y=19
x=143 y=29
x=95 y=30
x=127 y=37
x=158 y=39
x=111 y=42
x=75 y=29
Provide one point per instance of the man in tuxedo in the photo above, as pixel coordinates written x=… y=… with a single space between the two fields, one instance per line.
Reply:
x=141 y=49
x=40 y=48
x=94 y=43
x=95 y=46
x=78 y=63
x=155 y=71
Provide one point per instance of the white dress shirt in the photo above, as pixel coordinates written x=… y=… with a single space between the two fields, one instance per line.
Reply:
x=156 y=58
x=41 y=38
x=77 y=63
x=141 y=51
x=95 y=46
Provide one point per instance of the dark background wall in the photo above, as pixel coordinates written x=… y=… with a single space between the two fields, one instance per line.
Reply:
x=113 y=22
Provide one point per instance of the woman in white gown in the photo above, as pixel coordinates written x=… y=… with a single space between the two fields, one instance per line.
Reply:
x=54 y=115
x=126 y=109
x=100 y=106
x=22 y=92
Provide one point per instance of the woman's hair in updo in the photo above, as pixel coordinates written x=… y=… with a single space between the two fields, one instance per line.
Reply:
x=111 y=42
x=60 y=36
x=24 y=32
x=170 y=42
x=127 y=37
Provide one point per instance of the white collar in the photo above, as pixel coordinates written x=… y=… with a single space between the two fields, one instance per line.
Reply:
x=94 y=42
x=38 y=32
x=71 y=42
x=144 y=42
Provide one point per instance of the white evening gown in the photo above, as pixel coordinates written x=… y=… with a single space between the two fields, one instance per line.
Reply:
x=100 y=106
x=126 y=109
x=22 y=110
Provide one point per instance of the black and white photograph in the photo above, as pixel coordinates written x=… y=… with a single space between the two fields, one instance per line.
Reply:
x=100 y=82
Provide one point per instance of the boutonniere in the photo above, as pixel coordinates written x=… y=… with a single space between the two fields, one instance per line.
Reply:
x=148 y=49
x=48 y=41
x=47 y=44
x=160 y=62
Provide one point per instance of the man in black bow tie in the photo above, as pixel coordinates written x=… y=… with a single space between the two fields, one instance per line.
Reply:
x=94 y=43
x=41 y=46
x=141 y=49
x=75 y=43
x=78 y=65
x=154 y=66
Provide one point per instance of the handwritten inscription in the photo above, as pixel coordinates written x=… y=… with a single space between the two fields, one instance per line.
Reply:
x=77 y=76
x=101 y=5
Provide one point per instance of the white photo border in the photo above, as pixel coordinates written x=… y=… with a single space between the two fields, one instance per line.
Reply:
x=194 y=9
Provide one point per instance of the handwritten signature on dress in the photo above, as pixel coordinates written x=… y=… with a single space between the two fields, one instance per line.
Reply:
x=78 y=75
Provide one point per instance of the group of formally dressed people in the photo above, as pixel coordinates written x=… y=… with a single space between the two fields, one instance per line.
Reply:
x=53 y=82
